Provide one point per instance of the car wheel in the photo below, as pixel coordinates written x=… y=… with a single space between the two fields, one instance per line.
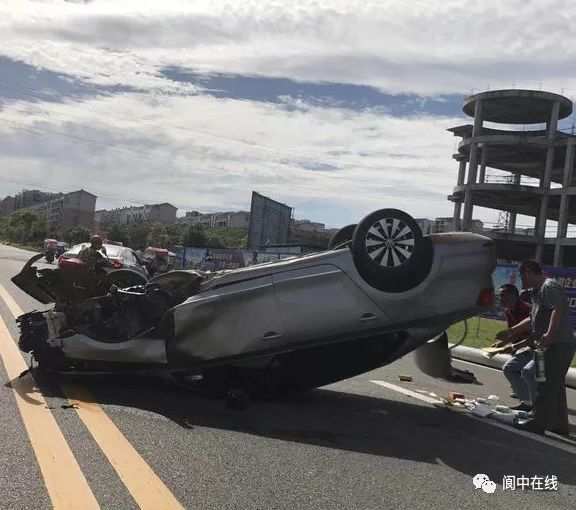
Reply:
x=341 y=236
x=390 y=252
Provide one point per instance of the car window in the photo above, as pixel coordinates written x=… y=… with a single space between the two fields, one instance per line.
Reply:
x=113 y=250
x=75 y=250
x=137 y=259
x=128 y=256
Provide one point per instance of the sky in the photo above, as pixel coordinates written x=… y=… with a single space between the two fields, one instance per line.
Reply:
x=334 y=107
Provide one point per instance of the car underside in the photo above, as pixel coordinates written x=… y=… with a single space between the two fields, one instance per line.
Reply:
x=273 y=328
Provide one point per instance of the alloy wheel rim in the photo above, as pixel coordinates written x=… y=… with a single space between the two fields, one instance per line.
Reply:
x=390 y=243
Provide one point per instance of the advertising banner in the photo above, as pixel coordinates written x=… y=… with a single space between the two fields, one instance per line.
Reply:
x=193 y=257
x=508 y=273
x=226 y=259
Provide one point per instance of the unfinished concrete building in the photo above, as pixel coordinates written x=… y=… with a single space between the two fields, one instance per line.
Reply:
x=537 y=172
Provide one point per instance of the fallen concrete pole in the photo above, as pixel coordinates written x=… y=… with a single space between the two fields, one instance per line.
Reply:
x=477 y=356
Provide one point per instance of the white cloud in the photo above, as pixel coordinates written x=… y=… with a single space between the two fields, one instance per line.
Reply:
x=410 y=46
x=187 y=150
x=168 y=143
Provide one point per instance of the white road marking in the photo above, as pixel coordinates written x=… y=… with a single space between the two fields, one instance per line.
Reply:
x=570 y=448
x=560 y=444
x=410 y=393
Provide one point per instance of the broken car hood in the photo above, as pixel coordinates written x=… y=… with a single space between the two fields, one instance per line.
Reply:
x=29 y=281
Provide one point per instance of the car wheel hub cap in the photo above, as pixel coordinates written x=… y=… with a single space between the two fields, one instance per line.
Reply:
x=390 y=242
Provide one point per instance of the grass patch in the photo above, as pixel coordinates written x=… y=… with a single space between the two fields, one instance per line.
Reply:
x=28 y=247
x=481 y=332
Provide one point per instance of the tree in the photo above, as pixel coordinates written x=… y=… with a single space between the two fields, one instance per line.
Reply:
x=158 y=236
x=314 y=239
x=25 y=226
x=213 y=240
x=175 y=233
x=3 y=227
x=39 y=228
x=138 y=233
x=77 y=235
x=120 y=233
x=194 y=235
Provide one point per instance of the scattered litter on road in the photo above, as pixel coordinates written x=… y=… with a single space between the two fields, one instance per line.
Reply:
x=503 y=409
x=405 y=378
x=431 y=394
x=492 y=397
x=482 y=410
x=509 y=419
x=455 y=395
x=69 y=406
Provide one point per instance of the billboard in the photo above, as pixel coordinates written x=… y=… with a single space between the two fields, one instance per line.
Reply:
x=269 y=222
x=508 y=273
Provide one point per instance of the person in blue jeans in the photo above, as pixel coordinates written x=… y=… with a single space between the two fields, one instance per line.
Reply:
x=551 y=326
x=520 y=369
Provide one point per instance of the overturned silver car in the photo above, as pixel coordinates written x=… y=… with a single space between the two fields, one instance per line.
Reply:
x=381 y=290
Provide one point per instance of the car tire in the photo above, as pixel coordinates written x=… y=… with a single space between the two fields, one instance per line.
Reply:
x=390 y=252
x=341 y=236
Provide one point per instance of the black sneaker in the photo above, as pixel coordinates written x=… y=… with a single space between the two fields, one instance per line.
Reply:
x=531 y=426
x=563 y=433
x=522 y=407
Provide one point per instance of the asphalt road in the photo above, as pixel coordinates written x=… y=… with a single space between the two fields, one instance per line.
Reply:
x=352 y=445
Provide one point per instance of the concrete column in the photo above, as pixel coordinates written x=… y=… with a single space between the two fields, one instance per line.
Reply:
x=483 y=164
x=568 y=172
x=546 y=182
x=472 y=177
x=462 y=169
x=460 y=181
x=513 y=215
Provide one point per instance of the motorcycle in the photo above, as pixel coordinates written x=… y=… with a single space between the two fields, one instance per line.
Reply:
x=50 y=247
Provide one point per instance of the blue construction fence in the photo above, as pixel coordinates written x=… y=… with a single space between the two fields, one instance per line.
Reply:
x=192 y=257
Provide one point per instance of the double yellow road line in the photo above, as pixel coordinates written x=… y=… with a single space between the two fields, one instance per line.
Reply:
x=64 y=480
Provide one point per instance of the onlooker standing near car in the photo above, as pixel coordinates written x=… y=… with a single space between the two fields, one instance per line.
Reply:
x=519 y=370
x=549 y=326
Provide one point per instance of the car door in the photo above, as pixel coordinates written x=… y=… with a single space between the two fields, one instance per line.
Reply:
x=322 y=303
x=131 y=262
x=234 y=321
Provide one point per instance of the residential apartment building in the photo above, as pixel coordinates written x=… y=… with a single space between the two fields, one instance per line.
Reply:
x=309 y=226
x=237 y=219
x=67 y=210
x=23 y=200
x=163 y=213
x=7 y=206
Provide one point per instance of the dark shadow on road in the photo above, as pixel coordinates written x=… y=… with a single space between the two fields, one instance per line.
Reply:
x=345 y=421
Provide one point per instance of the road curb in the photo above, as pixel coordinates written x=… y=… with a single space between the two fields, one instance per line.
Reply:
x=472 y=355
